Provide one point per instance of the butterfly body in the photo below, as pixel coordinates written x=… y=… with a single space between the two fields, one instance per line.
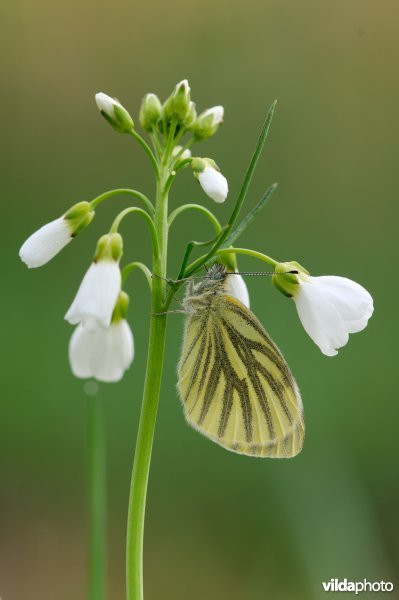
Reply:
x=234 y=383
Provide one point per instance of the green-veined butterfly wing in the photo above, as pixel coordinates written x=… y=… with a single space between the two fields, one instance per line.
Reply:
x=235 y=385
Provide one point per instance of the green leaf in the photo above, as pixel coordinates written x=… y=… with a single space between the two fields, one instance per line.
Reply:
x=246 y=222
x=243 y=192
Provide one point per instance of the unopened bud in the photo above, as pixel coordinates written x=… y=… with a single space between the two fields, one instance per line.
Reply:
x=113 y=111
x=178 y=103
x=208 y=122
x=150 y=112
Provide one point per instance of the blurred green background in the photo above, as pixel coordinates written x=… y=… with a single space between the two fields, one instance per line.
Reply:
x=219 y=526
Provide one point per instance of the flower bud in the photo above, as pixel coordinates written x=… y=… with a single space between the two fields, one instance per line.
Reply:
x=287 y=277
x=208 y=122
x=178 y=103
x=150 y=112
x=113 y=111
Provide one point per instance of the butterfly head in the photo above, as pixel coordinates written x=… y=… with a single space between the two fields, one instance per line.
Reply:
x=200 y=291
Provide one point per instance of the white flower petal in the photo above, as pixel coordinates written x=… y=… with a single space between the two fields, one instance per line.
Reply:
x=45 y=243
x=104 y=354
x=96 y=297
x=214 y=184
x=106 y=104
x=236 y=287
x=217 y=113
x=330 y=308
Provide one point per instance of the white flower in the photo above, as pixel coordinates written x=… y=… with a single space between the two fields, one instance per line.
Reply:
x=45 y=243
x=104 y=354
x=330 y=308
x=214 y=184
x=217 y=114
x=236 y=287
x=96 y=297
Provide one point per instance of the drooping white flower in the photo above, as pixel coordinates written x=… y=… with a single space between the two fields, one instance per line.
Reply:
x=95 y=300
x=50 y=239
x=113 y=111
x=214 y=184
x=330 y=308
x=104 y=354
x=45 y=243
x=96 y=297
x=236 y=287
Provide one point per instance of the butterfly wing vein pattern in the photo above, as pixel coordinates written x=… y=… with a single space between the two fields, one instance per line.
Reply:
x=235 y=385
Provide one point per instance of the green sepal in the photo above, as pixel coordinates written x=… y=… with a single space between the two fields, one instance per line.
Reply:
x=199 y=165
x=121 y=307
x=109 y=247
x=286 y=277
x=122 y=122
x=79 y=216
x=229 y=261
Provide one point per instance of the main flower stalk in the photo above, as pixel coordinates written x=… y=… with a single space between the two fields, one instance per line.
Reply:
x=152 y=385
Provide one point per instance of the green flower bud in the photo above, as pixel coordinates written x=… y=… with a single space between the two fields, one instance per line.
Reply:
x=208 y=122
x=178 y=103
x=109 y=247
x=150 y=112
x=113 y=111
x=287 y=277
x=121 y=307
x=79 y=216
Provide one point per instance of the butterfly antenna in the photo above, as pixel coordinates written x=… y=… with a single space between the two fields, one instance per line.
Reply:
x=262 y=273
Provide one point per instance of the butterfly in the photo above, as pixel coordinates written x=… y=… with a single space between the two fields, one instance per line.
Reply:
x=235 y=386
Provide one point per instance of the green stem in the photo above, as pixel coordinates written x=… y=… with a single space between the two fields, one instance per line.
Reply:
x=147 y=150
x=142 y=459
x=116 y=192
x=127 y=269
x=97 y=499
x=139 y=211
x=199 y=208
x=152 y=385
x=264 y=257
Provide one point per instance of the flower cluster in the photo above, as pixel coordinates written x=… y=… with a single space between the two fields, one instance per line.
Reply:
x=102 y=344
x=330 y=308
